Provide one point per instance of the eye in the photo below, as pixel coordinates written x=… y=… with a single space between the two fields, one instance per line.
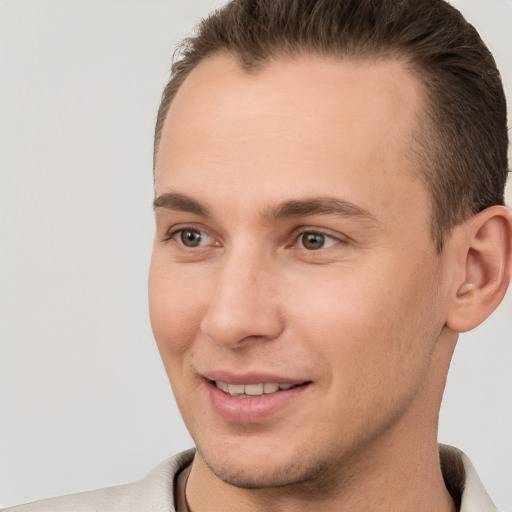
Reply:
x=313 y=241
x=191 y=237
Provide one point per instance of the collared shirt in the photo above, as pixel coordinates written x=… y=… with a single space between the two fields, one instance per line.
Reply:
x=156 y=492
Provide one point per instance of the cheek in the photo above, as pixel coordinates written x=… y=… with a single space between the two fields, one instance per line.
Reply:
x=176 y=306
x=368 y=326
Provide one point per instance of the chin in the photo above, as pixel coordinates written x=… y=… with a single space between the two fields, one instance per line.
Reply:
x=264 y=469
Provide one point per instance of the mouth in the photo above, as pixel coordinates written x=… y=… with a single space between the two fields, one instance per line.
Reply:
x=252 y=390
x=253 y=398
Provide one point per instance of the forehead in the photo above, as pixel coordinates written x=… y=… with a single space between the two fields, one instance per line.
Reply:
x=299 y=126
x=310 y=86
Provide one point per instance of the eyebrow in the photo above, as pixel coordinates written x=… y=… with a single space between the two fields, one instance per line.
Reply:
x=180 y=202
x=323 y=205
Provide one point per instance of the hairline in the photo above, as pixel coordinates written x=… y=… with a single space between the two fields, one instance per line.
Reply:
x=417 y=154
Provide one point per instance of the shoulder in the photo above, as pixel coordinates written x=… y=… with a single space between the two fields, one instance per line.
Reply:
x=155 y=492
x=111 y=499
x=462 y=481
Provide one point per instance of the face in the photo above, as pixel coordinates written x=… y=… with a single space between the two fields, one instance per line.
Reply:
x=293 y=287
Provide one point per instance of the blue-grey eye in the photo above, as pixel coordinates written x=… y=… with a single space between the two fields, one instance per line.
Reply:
x=191 y=237
x=312 y=241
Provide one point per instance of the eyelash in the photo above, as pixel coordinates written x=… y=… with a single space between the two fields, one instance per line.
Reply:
x=297 y=238
x=316 y=233
x=174 y=233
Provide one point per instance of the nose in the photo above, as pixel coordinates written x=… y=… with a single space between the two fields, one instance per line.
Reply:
x=244 y=306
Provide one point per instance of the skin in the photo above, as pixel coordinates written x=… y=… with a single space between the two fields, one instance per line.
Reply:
x=365 y=319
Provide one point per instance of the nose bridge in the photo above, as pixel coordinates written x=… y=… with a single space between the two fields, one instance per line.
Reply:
x=244 y=302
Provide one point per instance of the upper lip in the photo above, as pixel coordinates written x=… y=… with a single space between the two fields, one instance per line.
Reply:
x=249 y=377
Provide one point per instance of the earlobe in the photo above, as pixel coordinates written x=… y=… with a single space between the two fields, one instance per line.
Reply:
x=487 y=260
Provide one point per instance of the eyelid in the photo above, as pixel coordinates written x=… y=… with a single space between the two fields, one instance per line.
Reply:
x=171 y=233
x=317 y=231
x=203 y=238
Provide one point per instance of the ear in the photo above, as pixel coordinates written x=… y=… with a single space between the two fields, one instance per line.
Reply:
x=486 y=259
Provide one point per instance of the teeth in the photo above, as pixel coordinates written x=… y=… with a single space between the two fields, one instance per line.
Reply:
x=236 y=389
x=270 y=388
x=223 y=386
x=252 y=389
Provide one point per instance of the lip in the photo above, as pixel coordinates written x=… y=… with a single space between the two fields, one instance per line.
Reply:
x=249 y=378
x=256 y=409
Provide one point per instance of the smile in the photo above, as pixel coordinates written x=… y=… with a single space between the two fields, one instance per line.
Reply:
x=249 y=390
x=242 y=399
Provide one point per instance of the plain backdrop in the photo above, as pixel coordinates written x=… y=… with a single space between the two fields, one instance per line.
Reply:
x=85 y=402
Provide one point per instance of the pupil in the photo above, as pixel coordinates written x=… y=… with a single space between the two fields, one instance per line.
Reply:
x=191 y=238
x=313 y=241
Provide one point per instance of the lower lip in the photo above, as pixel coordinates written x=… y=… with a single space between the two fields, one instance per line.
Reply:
x=254 y=409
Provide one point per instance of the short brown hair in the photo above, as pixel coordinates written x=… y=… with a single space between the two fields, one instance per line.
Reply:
x=461 y=145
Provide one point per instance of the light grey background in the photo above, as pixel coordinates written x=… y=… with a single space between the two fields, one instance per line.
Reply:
x=84 y=399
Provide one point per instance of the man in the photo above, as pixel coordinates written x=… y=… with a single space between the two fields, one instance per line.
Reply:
x=329 y=209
